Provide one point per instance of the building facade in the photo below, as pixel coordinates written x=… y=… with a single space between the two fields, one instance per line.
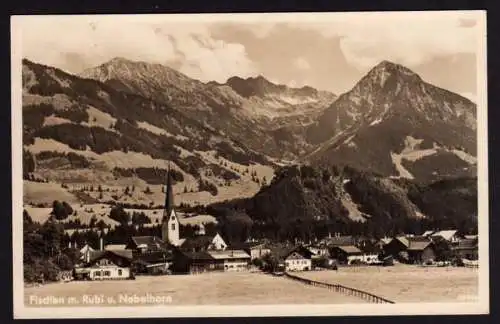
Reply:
x=170 y=223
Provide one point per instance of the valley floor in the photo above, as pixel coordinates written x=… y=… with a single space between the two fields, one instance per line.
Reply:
x=407 y=283
x=400 y=283
x=244 y=288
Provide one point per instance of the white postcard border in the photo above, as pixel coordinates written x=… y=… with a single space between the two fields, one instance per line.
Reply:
x=21 y=311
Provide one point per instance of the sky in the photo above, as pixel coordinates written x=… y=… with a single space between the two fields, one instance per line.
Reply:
x=326 y=51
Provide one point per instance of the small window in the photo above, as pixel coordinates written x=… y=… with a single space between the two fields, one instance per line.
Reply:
x=173 y=227
x=119 y=272
x=97 y=273
x=107 y=273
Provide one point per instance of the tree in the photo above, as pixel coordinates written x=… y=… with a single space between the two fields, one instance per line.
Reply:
x=270 y=262
x=442 y=250
x=60 y=210
x=119 y=214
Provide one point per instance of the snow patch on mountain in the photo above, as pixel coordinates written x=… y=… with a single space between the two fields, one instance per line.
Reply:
x=410 y=153
x=465 y=156
x=54 y=120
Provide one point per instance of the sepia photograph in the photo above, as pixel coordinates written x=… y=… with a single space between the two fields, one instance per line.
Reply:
x=274 y=164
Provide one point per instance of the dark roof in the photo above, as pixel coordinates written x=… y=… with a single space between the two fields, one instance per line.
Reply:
x=349 y=249
x=125 y=255
x=155 y=257
x=152 y=242
x=418 y=243
x=283 y=251
x=201 y=242
x=249 y=245
x=202 y=255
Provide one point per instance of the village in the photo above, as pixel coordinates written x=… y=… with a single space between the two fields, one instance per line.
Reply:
x=171 y=254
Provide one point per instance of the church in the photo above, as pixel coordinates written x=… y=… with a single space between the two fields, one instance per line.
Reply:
x=172 y=253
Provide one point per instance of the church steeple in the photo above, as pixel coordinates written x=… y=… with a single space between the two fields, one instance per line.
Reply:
x=170 y=224
x=169 y=196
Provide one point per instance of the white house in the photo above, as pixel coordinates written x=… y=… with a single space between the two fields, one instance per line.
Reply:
x=295 y=261
x=106 y=265
x=232 y=260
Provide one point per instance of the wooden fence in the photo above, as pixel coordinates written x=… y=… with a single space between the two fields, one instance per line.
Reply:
x=342 y=289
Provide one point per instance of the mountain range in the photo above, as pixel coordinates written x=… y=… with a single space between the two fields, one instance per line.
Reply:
x=127 y=120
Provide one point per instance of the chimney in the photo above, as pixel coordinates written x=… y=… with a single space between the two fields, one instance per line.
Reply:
x=329 y=235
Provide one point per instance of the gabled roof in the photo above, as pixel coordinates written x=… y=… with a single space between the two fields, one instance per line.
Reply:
x=349 y=249
x=122 y=254
x=418 y=244
x=86 y=248
x=283 y=251
x=198 y=242
x=155 y=257
x=404 y=240
x=194 y=256
x=447 y=235
x=151 y=242
x=385 y=240
x=228 y=254
x=427 y=233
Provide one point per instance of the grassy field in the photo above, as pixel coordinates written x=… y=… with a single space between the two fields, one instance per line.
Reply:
x=404 y=283
x=203 y=289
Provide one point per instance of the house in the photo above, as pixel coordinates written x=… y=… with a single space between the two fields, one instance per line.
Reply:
x=396 y=246
x=383 y=242
x=346 y=254
x=192 y=262
x=296 y=258
x=151 y=254
x=467 y=249
x=230 y=260
x=296 y=261
x=451 y=236
x=204 y=243
x=420 y=250
x=146 y=244
x=318 y=251
x=254 y=249
x=105 y=265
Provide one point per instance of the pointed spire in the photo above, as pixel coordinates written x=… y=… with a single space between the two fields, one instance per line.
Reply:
x=169 y=194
